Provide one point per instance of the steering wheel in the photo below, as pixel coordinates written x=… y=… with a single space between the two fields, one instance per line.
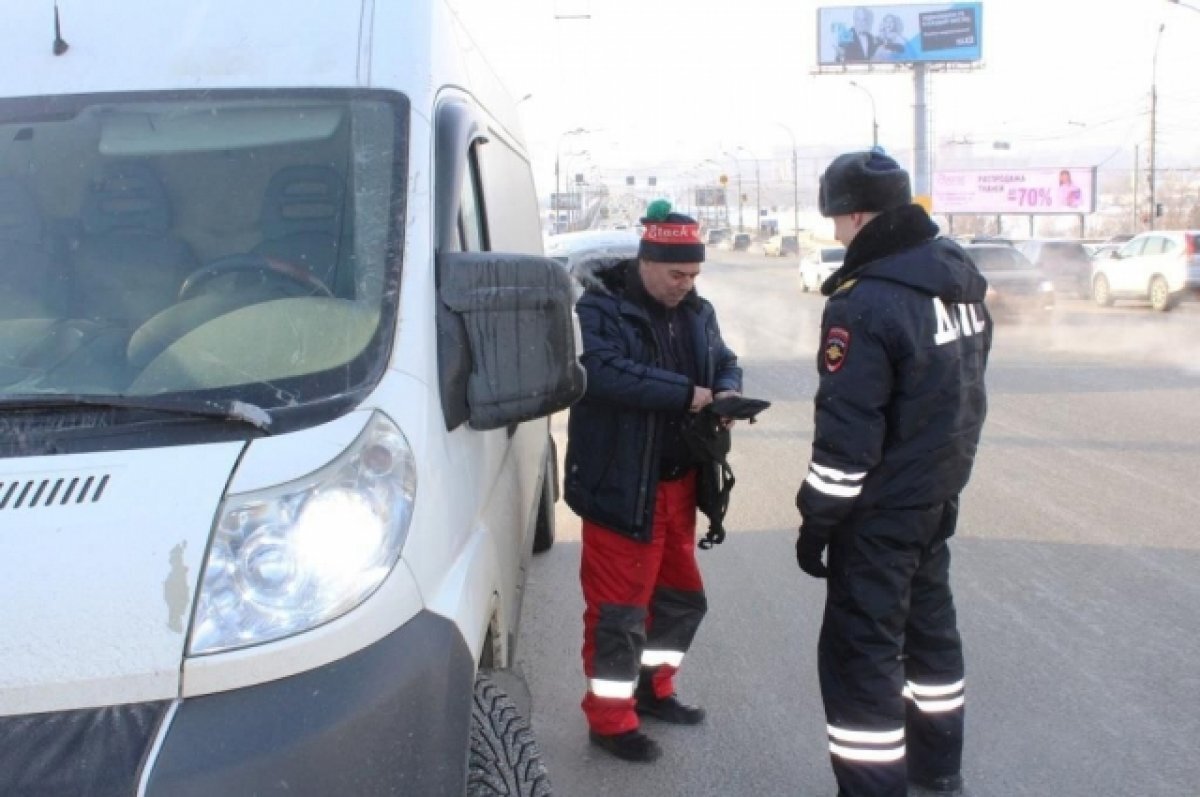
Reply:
x=254 y=263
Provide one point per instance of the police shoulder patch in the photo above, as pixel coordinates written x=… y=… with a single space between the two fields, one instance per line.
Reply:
x=836 y=348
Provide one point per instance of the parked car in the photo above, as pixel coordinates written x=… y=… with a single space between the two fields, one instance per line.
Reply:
x=817 y=264
x=1160 y=267
x=781 y=246
x=717 y=237
x=1017 y=289
x=586 y=253
x=1065 y=263
x=740 y=242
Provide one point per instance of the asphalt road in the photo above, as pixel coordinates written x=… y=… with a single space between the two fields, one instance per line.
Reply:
x=1076 y=571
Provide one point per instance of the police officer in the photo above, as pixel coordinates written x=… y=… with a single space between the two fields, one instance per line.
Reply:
x=653 y=354
x=904 y=343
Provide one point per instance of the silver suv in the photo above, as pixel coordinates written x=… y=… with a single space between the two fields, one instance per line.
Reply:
x=1160 y=267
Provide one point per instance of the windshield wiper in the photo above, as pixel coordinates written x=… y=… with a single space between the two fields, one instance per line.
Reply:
x=231 y=411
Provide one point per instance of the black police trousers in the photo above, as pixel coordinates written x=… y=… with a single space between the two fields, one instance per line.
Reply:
x=890 y=657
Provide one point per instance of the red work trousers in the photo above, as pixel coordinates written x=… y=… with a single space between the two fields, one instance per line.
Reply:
x=644 y=602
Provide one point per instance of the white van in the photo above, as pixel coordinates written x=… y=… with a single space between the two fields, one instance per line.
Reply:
x=277 y=349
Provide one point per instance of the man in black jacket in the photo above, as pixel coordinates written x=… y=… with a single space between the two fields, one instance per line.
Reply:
x=904 y=343
x=653 y=354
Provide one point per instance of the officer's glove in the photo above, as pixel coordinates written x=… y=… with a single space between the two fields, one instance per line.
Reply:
x=810 y=546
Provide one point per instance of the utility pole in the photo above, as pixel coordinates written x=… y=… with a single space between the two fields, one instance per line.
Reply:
x=1136 y=185
x=1154 y=126
x=795 y=181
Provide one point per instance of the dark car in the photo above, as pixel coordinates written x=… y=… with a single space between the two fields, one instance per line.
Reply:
x=1065 y=263
x=741 y=242
x=1016 y=288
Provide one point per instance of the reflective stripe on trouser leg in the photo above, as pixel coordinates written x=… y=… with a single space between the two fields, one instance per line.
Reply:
x=866 y=747
x=934 y=673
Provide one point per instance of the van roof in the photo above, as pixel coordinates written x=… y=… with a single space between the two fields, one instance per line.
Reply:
x=416 y=47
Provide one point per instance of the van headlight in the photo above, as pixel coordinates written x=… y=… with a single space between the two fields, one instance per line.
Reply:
x=292 y=557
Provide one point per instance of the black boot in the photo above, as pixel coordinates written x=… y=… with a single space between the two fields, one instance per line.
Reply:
x=667 y=709
x=940 y=786
x=629 y=746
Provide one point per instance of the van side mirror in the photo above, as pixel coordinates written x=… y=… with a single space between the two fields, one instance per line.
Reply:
x=506 y=339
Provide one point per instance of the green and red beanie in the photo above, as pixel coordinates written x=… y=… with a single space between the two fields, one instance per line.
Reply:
x=669 y=237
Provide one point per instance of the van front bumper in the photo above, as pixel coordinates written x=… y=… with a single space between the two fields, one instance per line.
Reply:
x=391 y=719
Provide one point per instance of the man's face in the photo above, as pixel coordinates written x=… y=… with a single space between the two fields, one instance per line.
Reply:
x=668 y=283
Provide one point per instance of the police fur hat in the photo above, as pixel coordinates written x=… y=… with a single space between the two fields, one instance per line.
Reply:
x=863 y=182
x=669 y=237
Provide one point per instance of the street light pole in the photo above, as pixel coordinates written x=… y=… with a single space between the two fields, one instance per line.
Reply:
x=757 y=192
x=738 y=164
x=874 y=118
x=1188 y=6
x=1154 y=124
x=795 y=182
x=557 y=170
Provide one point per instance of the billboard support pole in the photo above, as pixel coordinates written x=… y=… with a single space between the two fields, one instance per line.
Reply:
x=920 y=130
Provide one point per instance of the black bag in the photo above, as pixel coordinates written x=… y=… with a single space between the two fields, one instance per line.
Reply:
x=709 y=442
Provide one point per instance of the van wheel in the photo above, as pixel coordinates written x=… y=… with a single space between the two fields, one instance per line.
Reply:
x=1100 y=292
x=543 y=532
x=505 y=759
x=1160 y=295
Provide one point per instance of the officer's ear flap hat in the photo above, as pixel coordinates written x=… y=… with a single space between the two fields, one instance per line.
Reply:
x=863 y=182
x=669 y=237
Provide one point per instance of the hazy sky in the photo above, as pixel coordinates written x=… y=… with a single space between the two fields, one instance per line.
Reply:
x=669 y=83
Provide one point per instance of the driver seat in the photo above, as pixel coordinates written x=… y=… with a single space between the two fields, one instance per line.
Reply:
x=302 y=214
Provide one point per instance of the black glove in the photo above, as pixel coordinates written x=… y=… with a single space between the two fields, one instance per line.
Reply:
x=810 y=545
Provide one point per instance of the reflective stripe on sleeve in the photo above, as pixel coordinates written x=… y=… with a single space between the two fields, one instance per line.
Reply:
x=657 y=658
x=611 y=689
x=835 y=490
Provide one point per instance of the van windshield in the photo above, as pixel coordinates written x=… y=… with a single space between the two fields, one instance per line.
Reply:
x=216 y=246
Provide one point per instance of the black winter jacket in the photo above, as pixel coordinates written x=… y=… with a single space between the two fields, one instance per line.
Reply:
x=614 y=431
x=904 y=344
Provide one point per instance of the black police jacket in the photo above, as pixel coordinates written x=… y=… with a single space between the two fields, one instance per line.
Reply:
x=613 y=432
x=905 y=339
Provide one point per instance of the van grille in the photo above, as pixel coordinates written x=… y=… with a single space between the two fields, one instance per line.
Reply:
x=33 y=493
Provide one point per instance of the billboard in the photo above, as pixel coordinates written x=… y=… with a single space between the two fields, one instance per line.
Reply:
x=899 y=34
x=710 y=197
x=560 y=201
x=1023 y=191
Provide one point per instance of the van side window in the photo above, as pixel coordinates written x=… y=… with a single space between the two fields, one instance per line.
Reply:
x=471 y=233
x=509 y=200
x=1154 y=245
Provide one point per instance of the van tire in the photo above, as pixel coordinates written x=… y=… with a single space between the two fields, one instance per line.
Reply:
x=505 y=760
x=543 y=530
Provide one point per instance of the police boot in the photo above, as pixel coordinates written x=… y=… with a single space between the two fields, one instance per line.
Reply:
x=666 y=709
x=940 y=786
x=629 y=746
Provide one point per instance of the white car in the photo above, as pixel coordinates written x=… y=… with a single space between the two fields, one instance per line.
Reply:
x=1160 y=267
x=816 y=265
